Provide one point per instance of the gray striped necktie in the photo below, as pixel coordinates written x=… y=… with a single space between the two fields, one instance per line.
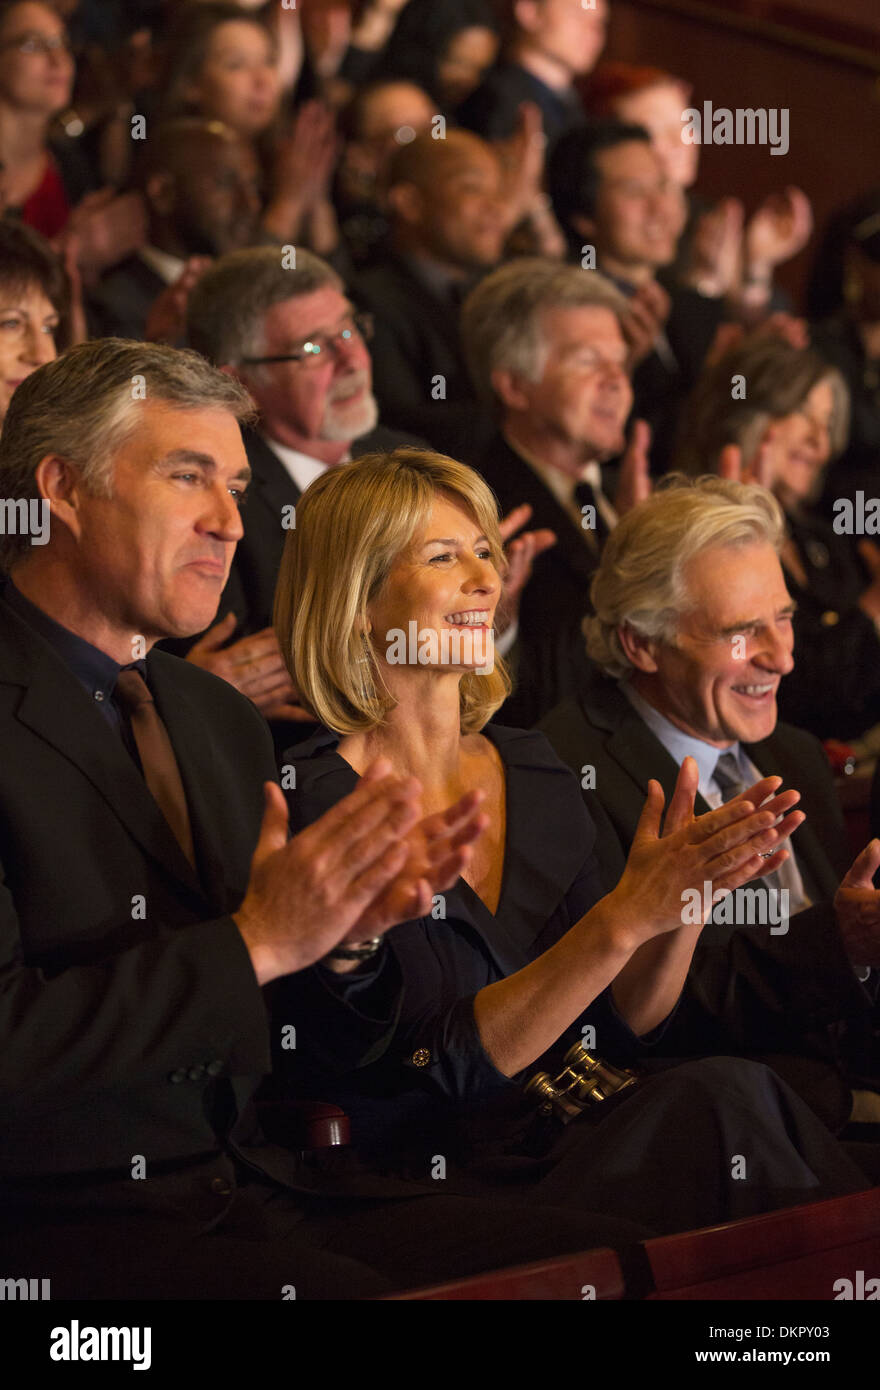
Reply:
x=728 y=778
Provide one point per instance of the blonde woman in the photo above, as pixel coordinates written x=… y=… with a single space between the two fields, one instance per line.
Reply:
x=427 y=1038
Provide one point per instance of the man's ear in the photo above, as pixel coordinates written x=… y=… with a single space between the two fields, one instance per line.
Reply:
x=641 y=651
x=508 y=388
x=406 y=202
x=60 y=483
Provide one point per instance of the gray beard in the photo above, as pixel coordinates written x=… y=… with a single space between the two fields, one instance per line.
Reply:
x=348 y=425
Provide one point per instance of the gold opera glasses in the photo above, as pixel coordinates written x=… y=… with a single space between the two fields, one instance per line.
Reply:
x=585 y=1081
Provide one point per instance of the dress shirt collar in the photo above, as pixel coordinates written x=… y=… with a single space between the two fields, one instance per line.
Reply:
x=303 y=469
x=562 y=485
x=168 y=268
x=681 y=745
x=95 y=670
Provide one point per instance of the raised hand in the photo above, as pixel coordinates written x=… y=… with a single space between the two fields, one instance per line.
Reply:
x=646 y=313
x=634 y=479
x=521 y=554
x=857 y=908
x=761 y=469
x=777 y=231
x=438 y=852
x=254 y=666
x=305 y=895
x=722 y=847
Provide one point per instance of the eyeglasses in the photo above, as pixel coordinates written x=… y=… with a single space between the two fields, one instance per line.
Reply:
x=321 y=346
x=39 y=43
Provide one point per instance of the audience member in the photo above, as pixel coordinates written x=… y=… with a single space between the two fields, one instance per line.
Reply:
x=691 y=636
x=785 y=411
x=201 y=186
x=545 y=348
x=448 y=224
x=34 y=306
x=462 y=1004
x=36 y=80
x=149 y=889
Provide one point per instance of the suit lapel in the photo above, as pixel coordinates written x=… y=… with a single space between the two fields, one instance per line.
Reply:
x=522 y=484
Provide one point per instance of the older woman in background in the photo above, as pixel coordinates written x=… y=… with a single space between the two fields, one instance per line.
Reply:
x=384 y=610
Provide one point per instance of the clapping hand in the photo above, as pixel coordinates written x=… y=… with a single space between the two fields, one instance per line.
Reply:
x=723 y=847
x=367 y=863
x=857 y=908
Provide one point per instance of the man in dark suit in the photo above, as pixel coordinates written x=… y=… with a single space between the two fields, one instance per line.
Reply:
x=691 y=636
x=200 y=186
x=545 y=347
x=448 y=225
x=148 y=889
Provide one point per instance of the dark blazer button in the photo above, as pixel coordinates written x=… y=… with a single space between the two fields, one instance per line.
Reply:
x=214 y=1068
x=196 y=1073
x=175 y=1077
x=421 y=1057
x=221 y=1186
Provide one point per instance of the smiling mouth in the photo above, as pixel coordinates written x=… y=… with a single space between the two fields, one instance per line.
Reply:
x=755 y=692
x=478 y=617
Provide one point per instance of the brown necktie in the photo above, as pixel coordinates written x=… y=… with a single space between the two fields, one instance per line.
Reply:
x=161 y=773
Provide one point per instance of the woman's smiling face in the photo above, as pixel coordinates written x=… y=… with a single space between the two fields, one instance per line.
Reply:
x=446 y=581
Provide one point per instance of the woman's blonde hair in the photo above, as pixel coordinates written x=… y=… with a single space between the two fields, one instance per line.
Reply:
x=640 y=582
x=352 y=524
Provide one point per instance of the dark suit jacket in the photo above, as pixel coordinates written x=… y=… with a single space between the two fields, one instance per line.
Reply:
x=748 y=991
x=130 y=1013
x=549 y=656
x=120 y=303
x=417 y=339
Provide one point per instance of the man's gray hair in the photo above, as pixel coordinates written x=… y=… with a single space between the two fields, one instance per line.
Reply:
x=86 y=404
x=501 y=318
x=224 y=319
x=640 y=582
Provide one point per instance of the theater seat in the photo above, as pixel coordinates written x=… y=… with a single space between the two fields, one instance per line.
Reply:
x=796 y=1253
x=595 y=1274
x=799 y=1253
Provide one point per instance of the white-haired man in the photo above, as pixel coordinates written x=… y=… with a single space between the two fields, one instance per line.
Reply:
x=691 y=636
